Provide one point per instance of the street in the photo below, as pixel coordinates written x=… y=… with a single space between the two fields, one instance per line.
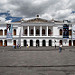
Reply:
x=37 y=61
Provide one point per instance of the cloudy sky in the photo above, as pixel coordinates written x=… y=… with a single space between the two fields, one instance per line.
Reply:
x=48 y=9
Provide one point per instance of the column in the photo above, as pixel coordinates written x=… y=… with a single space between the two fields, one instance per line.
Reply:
x=3 y=32
x=40 y=30
x=34 y=31
x=40 y=42
x=72 y=42
x=17 y=42
x=34 y=42
x=22 y=42
x=47 y=31
x=28 y=30
x=47 y=42
x=28 y=42
x=3 y=42
x=21 y=31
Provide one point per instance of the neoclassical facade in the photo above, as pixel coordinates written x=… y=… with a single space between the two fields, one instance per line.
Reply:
x=36 y=31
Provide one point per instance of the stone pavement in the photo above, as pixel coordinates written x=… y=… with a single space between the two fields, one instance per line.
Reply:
x=37 y=61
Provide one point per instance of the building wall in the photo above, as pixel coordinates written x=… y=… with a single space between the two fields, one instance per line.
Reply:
x=19 y=37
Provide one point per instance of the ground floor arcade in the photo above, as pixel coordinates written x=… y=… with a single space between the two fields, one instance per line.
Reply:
x=39 y=42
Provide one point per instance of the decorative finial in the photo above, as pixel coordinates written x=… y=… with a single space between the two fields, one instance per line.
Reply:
x=37 y=16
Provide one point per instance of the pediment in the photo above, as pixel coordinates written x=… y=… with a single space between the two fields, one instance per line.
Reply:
x=37 y=20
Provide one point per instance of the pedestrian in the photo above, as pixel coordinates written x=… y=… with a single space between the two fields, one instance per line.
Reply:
x=27 y=46
x=17 y=45
x=36 y=45
x=20 y=46
x=13 y=46
x=55 y=45
x=60 y=48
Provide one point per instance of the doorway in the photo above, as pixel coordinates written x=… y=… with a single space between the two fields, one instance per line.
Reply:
x=25 y=43
x=37 y=42
x=14 y=42
x=1 y=43
x=70 y=44
x=5 y=43
x=50 y=42
x=31 y=42
x=44 y=43
x=73 y=42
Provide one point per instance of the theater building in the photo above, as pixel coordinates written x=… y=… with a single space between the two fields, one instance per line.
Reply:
x=37 y=31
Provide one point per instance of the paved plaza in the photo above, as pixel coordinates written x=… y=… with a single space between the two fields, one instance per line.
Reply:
x=37 y=61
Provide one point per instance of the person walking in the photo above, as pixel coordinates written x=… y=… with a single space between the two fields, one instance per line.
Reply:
x=27 y=46
x=55 y=46
x=36 y=44
x=60 y=48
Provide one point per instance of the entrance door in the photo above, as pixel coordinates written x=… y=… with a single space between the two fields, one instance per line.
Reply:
x=73 y=42
x=50 y=42
x=25 y=43
x=37 y=42
x=43 y=43
x=5 y=43
x=1 y=43
x=70 y=43
x=31 y=42
x=14 y=42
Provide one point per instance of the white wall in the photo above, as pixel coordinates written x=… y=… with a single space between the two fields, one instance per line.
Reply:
x=55 y=31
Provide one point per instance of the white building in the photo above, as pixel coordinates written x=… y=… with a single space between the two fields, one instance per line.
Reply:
x=36 y=31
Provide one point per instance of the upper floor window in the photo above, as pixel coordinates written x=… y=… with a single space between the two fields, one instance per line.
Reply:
x=31 y=31
x=25 y=31
x=37 y=31
x=60 y=31
x=1 y=32
x=49 y=31
x=5 y=31
x=14 y=32
x=43 y=31
x=70 y=32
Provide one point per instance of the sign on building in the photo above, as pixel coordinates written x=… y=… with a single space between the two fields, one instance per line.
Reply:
x=73 y=31
x=9 y=31
x=65 y=31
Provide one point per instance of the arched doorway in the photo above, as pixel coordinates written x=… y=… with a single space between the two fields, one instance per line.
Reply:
x=31 y=42
x=43 y=43
x=60 y=42
x=70 y=44
x=1 y=43
x=50 y=42
x=37 y=42
x=73 y=42
x=5 y=43
x=14 y=42
x=25 y=43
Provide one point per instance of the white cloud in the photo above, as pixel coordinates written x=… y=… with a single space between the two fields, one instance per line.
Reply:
x=2 y=19
x=58 y=9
